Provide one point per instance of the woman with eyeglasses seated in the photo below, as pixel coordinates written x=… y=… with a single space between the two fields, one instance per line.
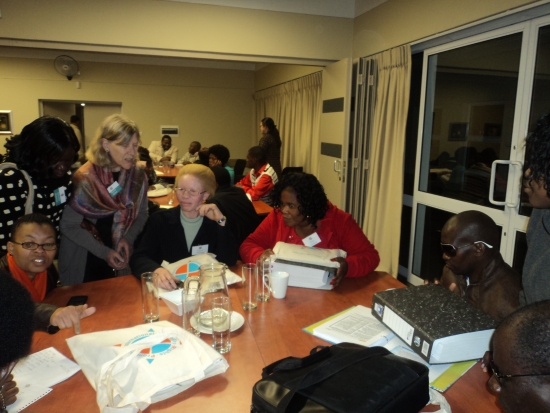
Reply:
x=29 y=260
x=190 y=229
x=302 y=210
x=108 y=209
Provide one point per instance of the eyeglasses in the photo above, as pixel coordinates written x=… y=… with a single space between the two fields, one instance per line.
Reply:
x=500 y=377
x=450 y=250
x=190 y=192
x=49 y=246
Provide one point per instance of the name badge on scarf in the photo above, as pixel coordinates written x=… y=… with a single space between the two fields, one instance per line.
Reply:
x=60 y=196
x=114 y=188
x=311 y=240
x=199 y=249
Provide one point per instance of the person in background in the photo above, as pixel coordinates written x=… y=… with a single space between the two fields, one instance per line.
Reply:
x=520 y=364
x=190 y=229
x=75 y=124
x=108 y=209
x=37 y=168
x=474 y=268
x=29 y=260
x=233 y=203
x=143 y=156
x=163 y=150
x=16 y=328
x=535 y=278
x=192 y=155
x=218 y=156
x=259 y=182
x=271 y=142
x=302 y=213
x=203 y=156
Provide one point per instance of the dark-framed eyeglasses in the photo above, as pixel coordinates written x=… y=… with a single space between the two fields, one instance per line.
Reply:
x=501 y=377
x=190 y=192
x=49 y=246
x=450 y=250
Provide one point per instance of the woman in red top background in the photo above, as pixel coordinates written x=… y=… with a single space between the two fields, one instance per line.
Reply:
x=301 y=208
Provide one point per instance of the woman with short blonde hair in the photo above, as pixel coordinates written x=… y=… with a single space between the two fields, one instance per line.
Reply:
x=180 y=232
x=108 y=209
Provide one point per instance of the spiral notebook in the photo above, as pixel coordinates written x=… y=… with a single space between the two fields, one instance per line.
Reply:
x=37 y=373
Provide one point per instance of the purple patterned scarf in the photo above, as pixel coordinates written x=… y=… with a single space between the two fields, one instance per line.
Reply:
x=92 y=199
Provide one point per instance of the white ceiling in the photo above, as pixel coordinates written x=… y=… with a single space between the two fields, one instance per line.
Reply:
x=333 y=8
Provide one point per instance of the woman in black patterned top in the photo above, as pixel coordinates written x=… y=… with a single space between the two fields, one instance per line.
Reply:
x=271 y=142
x=45 y=151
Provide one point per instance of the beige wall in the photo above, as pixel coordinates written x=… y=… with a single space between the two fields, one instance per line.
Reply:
x=178 y=27
x=398 y=22
x=276 y=74
x=212 y=106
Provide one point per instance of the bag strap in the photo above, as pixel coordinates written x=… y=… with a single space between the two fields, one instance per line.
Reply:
x=292 y=363
x=326 y=370
x=30 y=197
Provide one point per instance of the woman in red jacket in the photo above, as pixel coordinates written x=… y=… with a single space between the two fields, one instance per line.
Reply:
x=303 y=215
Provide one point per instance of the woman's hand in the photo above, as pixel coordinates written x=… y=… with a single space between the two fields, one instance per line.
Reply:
x=217 y=162
x=266 y=254
x=115 y=260
x=9 y=390
x=124 y=249
x=70 y=316
x=210 y=211
x=165 y=279
x=340 y=272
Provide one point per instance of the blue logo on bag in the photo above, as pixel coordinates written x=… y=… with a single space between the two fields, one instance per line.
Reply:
x=156 y=350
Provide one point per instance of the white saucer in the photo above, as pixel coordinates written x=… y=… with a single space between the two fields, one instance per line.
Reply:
x=158 y=192
x=237 y=321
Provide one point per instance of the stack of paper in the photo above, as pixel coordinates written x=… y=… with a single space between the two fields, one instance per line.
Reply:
x=358 y=325
x=308 y=267
x=38 y=372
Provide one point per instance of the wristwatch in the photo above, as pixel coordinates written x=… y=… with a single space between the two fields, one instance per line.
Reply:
x=51 y=329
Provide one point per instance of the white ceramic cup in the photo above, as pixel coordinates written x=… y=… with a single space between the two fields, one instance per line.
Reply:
x=278 y=281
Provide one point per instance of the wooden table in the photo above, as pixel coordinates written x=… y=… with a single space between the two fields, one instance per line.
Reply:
x=262 y=209
x=270 y=333
x=167 y=172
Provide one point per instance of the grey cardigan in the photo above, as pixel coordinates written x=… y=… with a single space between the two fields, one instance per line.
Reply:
x=76 y=242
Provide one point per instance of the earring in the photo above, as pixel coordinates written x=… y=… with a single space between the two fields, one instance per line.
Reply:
x=107 y=151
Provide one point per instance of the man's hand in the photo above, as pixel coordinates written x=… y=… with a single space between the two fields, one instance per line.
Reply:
x=340 y=273
x=66 y=317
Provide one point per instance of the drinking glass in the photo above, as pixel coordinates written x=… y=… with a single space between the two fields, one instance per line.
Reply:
x=264 y=269
x=150 y=297
x=221 y=324
x=250 y=283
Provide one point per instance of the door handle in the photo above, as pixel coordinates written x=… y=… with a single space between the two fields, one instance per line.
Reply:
x=515 y=189
x=339 y=163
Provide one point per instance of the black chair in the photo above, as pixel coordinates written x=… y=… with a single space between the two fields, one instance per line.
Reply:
x=291 y=169
x=240 y=164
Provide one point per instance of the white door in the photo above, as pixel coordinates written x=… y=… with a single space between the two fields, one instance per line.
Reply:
x=334 y=130
x=480 y=97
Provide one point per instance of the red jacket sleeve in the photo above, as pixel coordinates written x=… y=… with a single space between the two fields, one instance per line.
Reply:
x=245 y=183
x=362 y=257
x=265 y=237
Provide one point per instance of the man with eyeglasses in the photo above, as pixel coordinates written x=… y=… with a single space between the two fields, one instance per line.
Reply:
x=474 y=267
x=520 y=362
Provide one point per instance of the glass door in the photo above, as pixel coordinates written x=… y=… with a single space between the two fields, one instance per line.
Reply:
x=476 y=108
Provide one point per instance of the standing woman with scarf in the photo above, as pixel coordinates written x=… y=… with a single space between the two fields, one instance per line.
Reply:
x=108 y=209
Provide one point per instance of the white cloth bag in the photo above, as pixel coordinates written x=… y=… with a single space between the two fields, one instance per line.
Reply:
x=134 y=367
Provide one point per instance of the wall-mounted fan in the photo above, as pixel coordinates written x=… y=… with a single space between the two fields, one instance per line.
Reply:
x=66 y=65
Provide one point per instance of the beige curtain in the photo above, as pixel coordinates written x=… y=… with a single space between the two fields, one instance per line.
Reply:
x=295 y=107
x=382 y=223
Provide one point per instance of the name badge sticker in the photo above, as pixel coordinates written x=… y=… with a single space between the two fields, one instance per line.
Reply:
x=199 y=249
x=60 y=195
x=311 y=240
x=114 y=188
